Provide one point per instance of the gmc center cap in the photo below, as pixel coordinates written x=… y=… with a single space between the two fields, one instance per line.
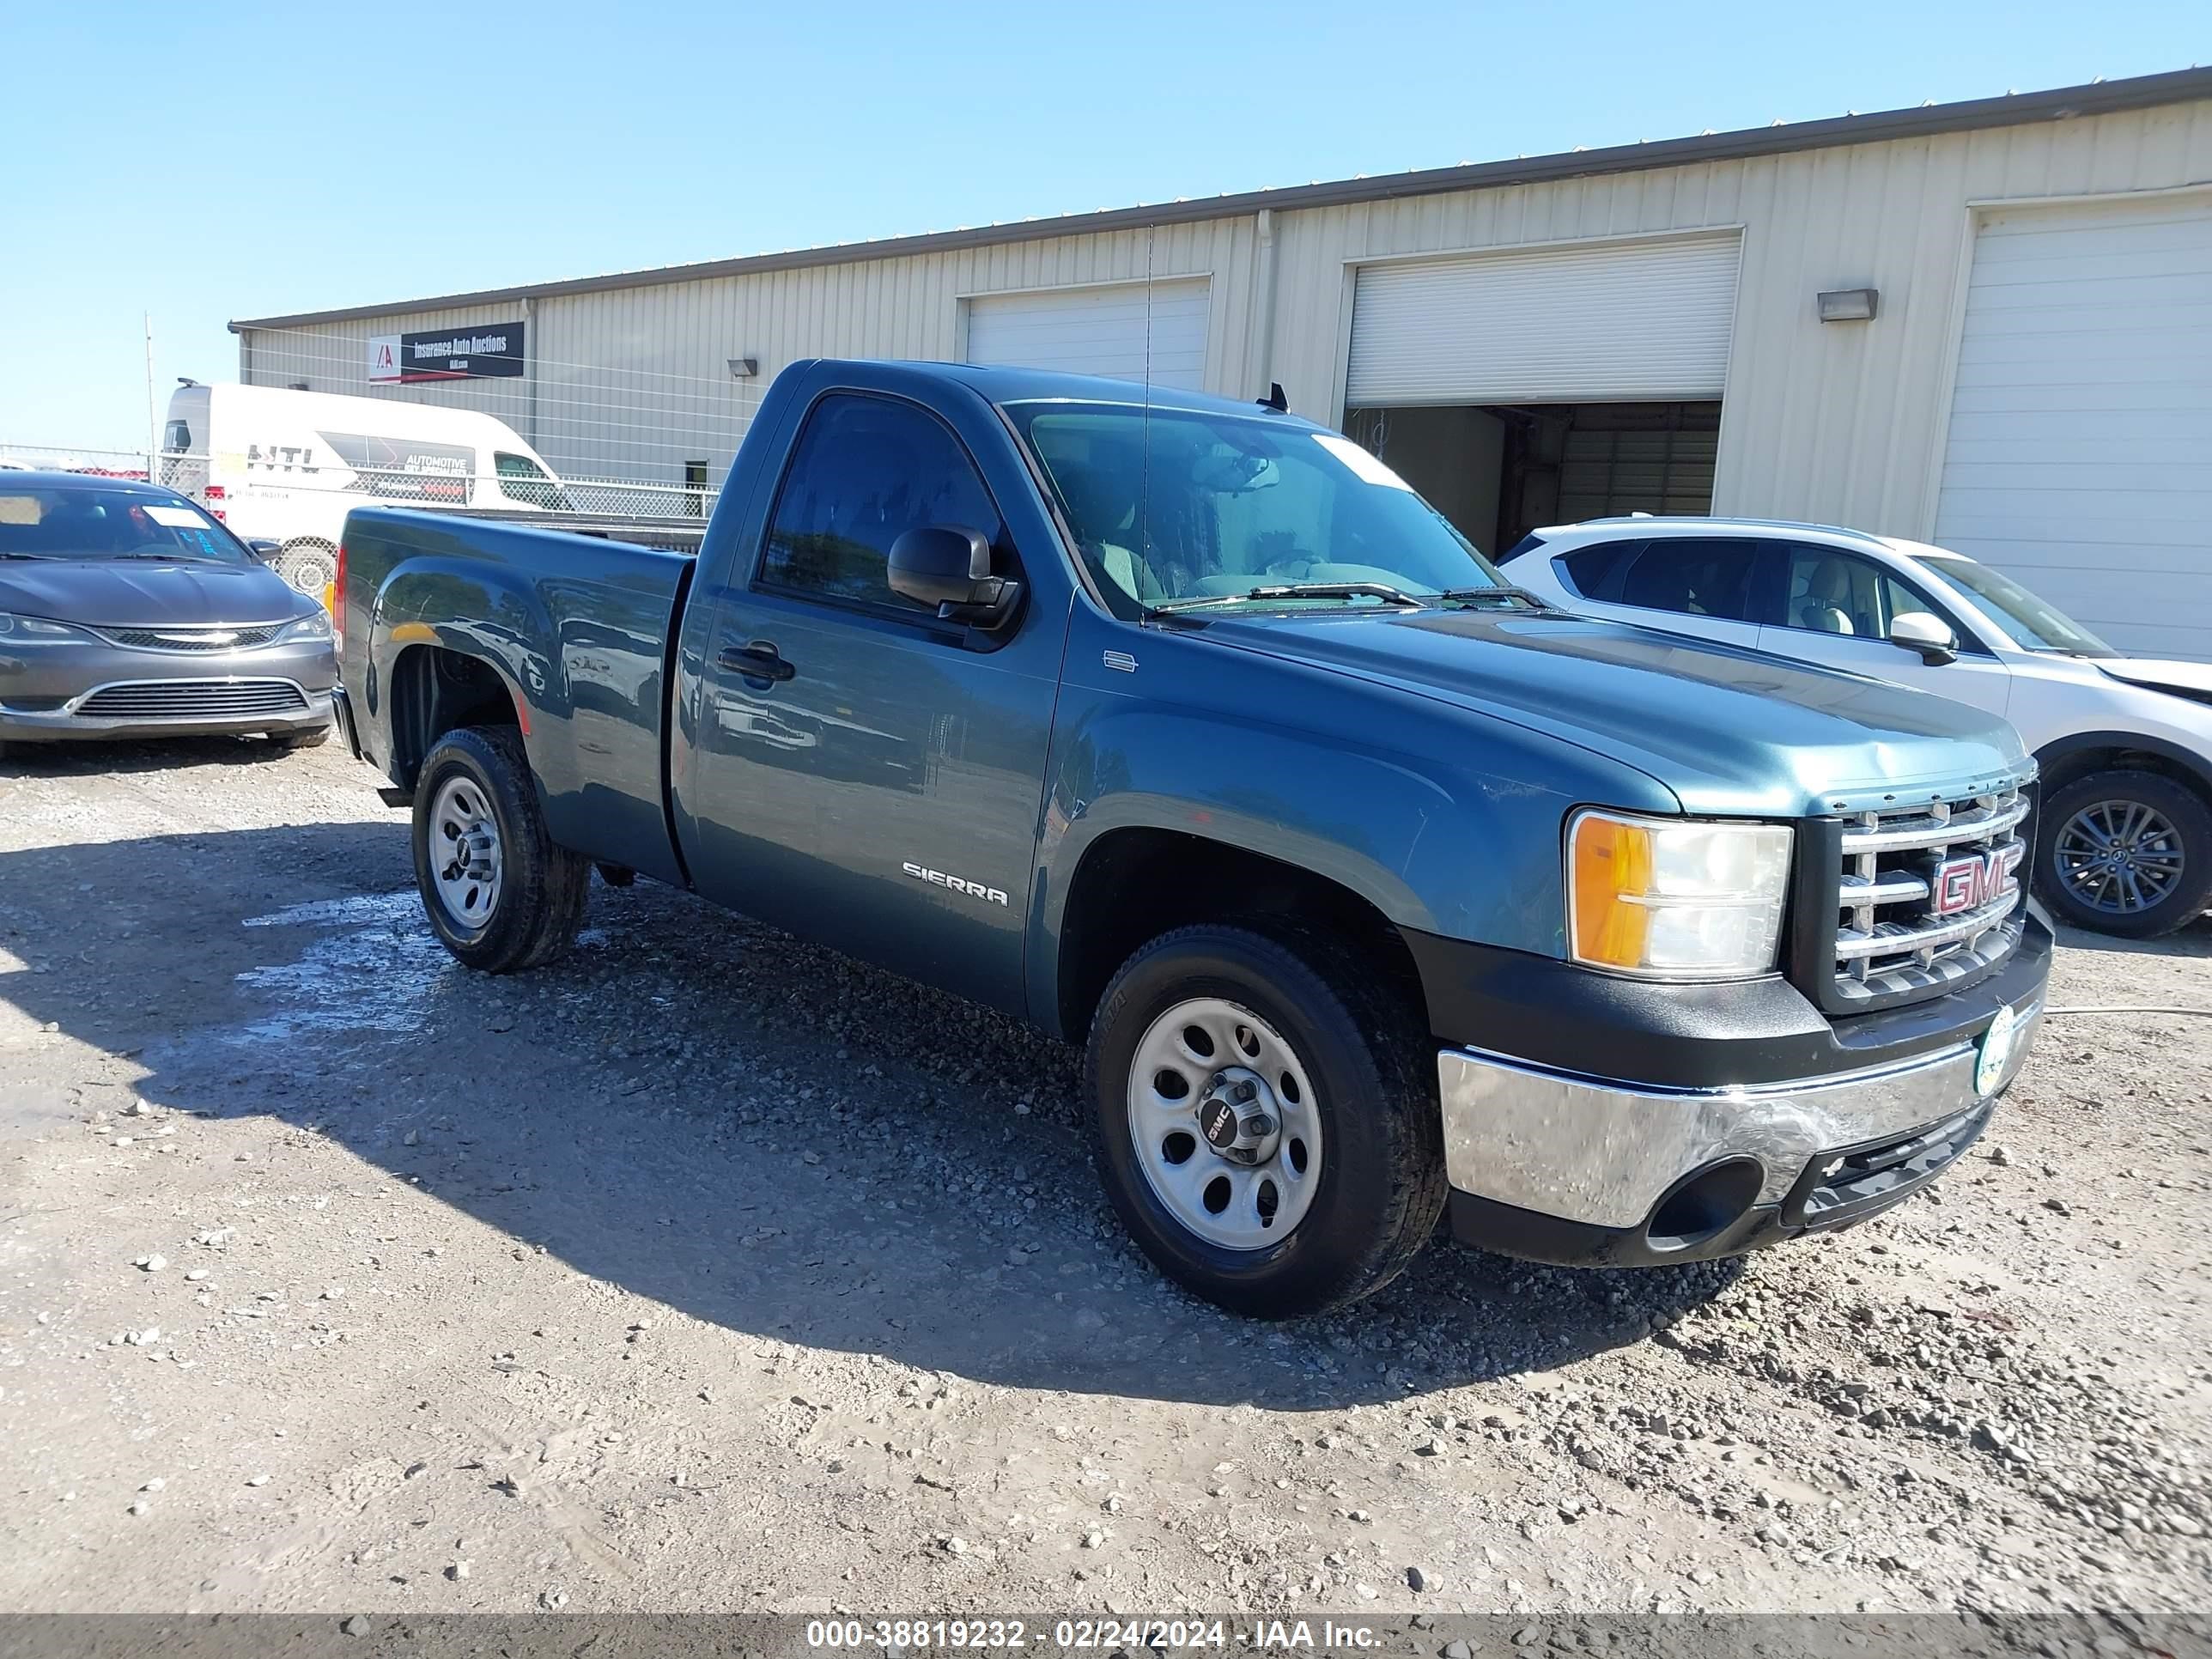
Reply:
x=1218 y=1120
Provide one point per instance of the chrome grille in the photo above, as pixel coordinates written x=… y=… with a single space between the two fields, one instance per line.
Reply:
x=192 y=700
x=1892 y=937
x=190 y=638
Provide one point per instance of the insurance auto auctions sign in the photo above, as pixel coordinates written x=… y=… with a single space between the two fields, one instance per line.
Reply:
x=489 y=352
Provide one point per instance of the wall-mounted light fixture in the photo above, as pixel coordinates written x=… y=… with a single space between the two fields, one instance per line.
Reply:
x=744 y=368
x=1848 y=304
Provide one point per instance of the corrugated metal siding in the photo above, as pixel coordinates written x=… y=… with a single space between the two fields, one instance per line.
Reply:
x=1843 y=421
x=334 y=357
x=634 y=382
x=1564 y=325
x=674 y=342
x=1124 y=331
x=2080 y=458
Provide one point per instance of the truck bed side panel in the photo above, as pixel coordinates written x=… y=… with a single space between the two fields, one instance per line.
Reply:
x=576 y=626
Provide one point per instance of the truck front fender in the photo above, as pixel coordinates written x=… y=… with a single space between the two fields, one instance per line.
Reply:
x=1432 y=846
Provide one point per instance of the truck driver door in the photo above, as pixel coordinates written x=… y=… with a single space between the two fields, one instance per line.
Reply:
x=867 y=774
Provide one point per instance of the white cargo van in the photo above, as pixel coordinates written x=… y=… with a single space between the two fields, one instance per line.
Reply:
x=285 y=466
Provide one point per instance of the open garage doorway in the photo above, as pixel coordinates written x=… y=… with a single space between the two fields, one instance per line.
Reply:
x=1498 y=470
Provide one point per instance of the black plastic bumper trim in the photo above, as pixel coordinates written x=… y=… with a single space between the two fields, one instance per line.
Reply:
x=1551 y=1013
x=342 y=711
x=1484 y=1223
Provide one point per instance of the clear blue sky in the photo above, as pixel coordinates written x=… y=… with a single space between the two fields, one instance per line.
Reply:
x=203 y=162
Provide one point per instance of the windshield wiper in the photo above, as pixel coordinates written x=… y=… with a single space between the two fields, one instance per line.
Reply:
x=44 y=558
x=1470 y=595
x=1382 y=591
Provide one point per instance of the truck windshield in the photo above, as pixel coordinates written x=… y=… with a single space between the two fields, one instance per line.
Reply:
x=87 y=523
x=2030 y=621
x=1171 y=506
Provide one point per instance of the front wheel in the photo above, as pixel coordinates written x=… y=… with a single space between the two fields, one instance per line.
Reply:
x=499 y=895
x=1266 y=1119
x=2125 y=852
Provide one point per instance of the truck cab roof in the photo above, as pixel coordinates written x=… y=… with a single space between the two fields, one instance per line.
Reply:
x=1016 y=385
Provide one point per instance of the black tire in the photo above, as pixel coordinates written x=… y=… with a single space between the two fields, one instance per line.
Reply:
x=1381 y=1186
x=2182 y=811
x=313 y=737
x=542 y=887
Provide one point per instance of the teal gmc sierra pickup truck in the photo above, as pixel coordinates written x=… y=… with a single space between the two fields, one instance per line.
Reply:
x=1182 y=727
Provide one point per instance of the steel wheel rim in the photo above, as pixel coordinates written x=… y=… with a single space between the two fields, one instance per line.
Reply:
x=2120 y=858
x=1226 y=1202
x=466 y=861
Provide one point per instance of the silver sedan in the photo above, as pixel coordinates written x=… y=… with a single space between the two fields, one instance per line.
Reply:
x=126 y=610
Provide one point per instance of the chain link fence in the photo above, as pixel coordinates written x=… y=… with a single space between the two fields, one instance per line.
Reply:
x=299 y=502
x=324 y=420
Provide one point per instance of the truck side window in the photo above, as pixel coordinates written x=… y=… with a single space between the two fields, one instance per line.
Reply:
x=1690 y=576
x=865 y=471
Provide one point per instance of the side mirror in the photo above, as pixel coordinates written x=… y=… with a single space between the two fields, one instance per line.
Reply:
x=947 y=568
x=1917 y=630
x=265 y=551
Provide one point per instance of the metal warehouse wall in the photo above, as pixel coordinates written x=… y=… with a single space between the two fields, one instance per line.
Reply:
x=633 y=382
x=334 y=357
x=1843 y=421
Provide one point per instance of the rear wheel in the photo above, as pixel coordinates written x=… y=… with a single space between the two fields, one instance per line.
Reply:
x=2125 y=852
x=1266 y=1120
x=499 y=894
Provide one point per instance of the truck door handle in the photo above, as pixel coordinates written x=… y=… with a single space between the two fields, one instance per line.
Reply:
x=758 y=661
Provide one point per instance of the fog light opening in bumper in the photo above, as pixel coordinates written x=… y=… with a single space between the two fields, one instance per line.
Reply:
x=1706 y=1205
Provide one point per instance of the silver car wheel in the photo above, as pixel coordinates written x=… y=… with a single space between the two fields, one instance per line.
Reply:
x=465 y=854
x=2120 y=857
x=1223 y=1117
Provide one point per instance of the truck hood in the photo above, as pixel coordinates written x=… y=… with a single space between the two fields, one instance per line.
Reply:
x=147 y=594
x=1729 y=731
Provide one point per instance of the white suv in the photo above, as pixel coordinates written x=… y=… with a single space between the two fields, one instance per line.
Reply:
x=2124 y=837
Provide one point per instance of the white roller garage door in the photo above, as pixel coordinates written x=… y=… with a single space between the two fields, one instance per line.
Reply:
x=2079 y=454
x=1115 y=331
x=1619 y=321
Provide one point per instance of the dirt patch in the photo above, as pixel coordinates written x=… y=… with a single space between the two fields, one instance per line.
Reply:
x=703 y=1270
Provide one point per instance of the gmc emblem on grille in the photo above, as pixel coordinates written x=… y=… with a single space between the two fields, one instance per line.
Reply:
x=1974 y=879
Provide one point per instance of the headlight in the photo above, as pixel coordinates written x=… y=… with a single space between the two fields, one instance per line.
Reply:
x=35 y=630
x=316 y=626
x=1666 y=898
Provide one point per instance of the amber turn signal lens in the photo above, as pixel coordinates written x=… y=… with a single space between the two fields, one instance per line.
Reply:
x=1611 y=869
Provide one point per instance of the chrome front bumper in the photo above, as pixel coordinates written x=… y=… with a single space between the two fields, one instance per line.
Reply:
x=1602 y=1153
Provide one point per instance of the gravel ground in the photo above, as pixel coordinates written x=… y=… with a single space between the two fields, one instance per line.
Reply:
x=705 y=1270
